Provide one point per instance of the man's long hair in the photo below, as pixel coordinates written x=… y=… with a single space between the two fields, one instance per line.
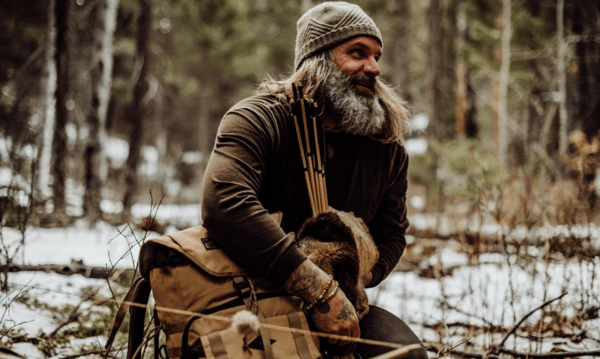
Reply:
x=313 y=74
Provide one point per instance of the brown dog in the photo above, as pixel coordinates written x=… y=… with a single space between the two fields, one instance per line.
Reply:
x=340 y=244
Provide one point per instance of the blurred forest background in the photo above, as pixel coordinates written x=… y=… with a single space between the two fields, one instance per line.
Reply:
x=102 y=99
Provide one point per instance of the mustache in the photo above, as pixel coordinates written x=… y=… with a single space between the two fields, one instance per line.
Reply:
x=363 y=80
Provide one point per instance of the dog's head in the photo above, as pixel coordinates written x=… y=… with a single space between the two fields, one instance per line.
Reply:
x=340 y=244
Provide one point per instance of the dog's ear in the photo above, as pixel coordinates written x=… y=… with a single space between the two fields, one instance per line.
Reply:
x=365 y=246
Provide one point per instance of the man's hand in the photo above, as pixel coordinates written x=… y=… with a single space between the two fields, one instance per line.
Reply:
x=337 y=315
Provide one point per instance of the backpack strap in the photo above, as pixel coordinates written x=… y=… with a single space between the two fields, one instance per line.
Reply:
x=266 y=337
x=300 y=339
x=246 y=291
x=131 y=295
x=157 y=346
x=137 y=316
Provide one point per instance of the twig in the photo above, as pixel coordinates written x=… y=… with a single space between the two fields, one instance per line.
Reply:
x=432 y=348
x=549 y=355
x=69 y=269
x=6 y=331
x=149 y=336
x=73 y=314
x=515 y=354
x=107 y=352
x=442 y=350
x=458 y=310
x=527 y=316
x=149 y=220
x=86 y=354
x=399 y=353
x=13 y=299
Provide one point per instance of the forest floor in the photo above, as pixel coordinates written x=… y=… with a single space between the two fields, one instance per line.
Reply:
x=499 y=295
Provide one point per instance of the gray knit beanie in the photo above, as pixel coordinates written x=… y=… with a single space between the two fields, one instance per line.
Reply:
x=329 y=24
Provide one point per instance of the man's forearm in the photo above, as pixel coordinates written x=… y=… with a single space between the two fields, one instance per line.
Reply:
x=307 y=281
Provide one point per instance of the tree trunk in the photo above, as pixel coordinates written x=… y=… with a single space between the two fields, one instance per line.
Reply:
x=104 y=90
x=207 y=136
x=434 y=69
x=465 y=122
x=62 y=91
x=139 y=107
x=586 y=25
x=562 y=81
x=400 y=77
x=471 y=126
x=101 y=75
x=503 y=82
x=49 y=91
x=460 y=124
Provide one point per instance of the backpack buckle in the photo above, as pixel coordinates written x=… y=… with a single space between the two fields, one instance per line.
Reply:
x=245 y=289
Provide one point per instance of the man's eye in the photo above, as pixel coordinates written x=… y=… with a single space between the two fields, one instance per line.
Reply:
x=357 y=53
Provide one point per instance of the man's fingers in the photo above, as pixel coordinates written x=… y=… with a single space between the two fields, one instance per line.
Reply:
x=352 y=331
x=333 y=341
x=340 y=342
x=356 y=332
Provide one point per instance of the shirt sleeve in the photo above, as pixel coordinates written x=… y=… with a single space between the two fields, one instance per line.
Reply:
x=390 y=221
x=231 y=211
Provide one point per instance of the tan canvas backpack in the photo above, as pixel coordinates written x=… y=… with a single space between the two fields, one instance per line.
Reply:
x=196 y=288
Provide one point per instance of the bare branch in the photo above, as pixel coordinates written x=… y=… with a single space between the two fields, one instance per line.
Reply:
x=527 y=316
x=550 y=355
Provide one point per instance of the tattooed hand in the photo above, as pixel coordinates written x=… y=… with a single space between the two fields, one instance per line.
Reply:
x=337 y=316
x=341 y=318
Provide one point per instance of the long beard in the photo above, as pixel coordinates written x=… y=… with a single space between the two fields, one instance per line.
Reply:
x=358 y=113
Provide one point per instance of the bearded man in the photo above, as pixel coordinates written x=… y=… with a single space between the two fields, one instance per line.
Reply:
x=255 y=169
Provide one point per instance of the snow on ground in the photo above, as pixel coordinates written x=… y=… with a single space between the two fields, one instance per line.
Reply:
x=499 y=291
x=54 y=290
x=99 y=246
x=449 y=225
x=104 y=246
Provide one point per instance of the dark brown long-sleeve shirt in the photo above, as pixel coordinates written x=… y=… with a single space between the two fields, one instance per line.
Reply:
x=255 y=169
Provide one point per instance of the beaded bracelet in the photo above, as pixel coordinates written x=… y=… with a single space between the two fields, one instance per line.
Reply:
x=335 y=289
x=318 y=300
x=324 y=307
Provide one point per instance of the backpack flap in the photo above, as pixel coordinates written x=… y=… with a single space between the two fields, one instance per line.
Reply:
x=198 y=246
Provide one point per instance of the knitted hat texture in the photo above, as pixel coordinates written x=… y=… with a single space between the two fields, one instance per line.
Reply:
x=329 y=24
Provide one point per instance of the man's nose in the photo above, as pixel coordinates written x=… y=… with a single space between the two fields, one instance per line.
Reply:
x=371 y=67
